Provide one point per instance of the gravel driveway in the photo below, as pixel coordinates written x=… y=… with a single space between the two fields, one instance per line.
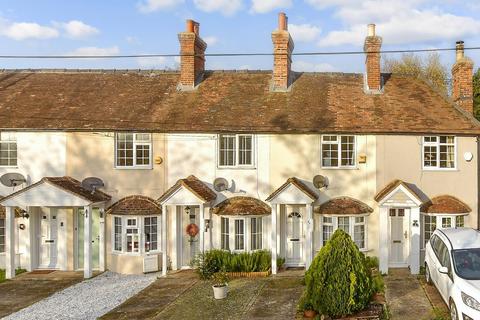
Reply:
x=87 y=300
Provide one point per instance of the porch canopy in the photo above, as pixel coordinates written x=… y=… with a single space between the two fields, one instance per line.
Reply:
x=344 y=206
x=135 y=205
x=241 y=206
x=445 y=204
x=53 y=192
x=189 y=191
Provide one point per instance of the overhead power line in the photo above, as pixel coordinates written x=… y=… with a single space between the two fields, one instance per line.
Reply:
x=236 y=54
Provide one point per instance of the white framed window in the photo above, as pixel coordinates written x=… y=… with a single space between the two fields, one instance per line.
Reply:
x=256 y=233
x=8 y=149
x=236 y=150
x=338 y=151
x=150 y=227
x=225 y=233
x=355 y=226
x=239 y=234
x=2 y=235
x=135 y=234
x=117 y=234
x=431 y=222
x=132 y=236
x=439 y=152
x=133 y=150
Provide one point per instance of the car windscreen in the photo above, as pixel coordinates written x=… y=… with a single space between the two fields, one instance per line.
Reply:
x=467 y=263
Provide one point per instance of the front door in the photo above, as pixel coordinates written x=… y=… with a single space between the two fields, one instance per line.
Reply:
x=80 y=224
x=48 y=239
x=190 y=245
x=398 y=238
x=294 y=239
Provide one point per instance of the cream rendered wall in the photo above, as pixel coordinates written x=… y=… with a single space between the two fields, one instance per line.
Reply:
x=93 y=154
x=300 y=156
x=400 y=157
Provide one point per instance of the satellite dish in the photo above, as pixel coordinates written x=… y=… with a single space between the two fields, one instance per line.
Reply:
x=92 y=184
x=220 y=184
x=12 y=179
x=320 y=181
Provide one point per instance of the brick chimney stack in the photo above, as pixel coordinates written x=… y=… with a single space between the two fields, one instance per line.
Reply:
x=372 y=46
x=462 y=72
x=192 y=61
x=282 y=48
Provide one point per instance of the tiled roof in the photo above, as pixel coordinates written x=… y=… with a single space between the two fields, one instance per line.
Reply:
x=135 y=205
x=445 y=204
x=241 y=206
x=343 y=206
x=193 y=184
x=224 y=102
x=68 y=184
x=299 y=184
x=392 y=185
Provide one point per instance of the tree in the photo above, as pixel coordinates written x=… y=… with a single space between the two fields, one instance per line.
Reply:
x=429 y=68
x=476 y=94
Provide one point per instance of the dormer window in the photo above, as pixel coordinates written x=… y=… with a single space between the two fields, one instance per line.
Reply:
x=235 y=150
x=439 y=152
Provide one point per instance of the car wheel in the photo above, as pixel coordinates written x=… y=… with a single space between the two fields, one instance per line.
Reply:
x=428 y=277
x=453 y=310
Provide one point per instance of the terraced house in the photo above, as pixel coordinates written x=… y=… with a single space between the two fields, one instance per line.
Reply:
x=240 y=160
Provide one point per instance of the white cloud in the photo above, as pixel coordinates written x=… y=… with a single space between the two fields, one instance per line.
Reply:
x=95 y=51
x=28 y=30
x=211 y=40
x=303 y=32
x=158 y=63
x=245 y=67
x=225 y=7
x=264 y=6
x=77 y=29
x=305 y=66
x=147 y=6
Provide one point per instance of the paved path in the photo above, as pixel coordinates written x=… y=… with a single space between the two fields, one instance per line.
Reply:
x=88 y=299
x=405 y=296
x=29 y=288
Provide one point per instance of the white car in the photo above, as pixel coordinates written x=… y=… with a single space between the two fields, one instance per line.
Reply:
x=452 y=263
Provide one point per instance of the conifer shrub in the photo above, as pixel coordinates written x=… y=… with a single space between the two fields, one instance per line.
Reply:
x=338 y=282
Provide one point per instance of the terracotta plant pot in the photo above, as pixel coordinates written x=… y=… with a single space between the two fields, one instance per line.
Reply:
x=309 y=314
x=220 y=292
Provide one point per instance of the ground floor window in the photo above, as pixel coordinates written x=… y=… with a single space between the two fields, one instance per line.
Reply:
x=2 y=235
x=135 y=234
x=246 y=233
x=430 y=222
x=354 y=226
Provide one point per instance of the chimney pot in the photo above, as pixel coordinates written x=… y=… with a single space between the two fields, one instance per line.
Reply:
x=282 y=58
x=371 y=30
x=282 y=21
x=190 y=26
x=372 y=46
x=192 y=60
x=460 y=50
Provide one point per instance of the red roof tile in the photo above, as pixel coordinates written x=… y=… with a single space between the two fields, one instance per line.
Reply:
x=343 y=206
x=241 y=206
x=445 y=204
x=299 y=184
x=135 y=205
x=195 y=185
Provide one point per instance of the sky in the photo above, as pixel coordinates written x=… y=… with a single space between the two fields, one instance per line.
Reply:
x=118 y=27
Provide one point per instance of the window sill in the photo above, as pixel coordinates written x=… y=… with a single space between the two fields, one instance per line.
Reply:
x=340 y=168
x=134 y=168
x=9 y=167
x=236 y=168
x=135 y=254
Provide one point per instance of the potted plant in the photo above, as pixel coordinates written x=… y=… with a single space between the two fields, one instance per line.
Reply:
x=220 y=285
x=308 y=311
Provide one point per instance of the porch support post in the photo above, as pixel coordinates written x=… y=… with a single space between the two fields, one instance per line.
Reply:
x=87 y=242
x=174 y=238
x=202 y=228
x=415 y=240
x=383 y=240
x=308 y=236
x=102 y=239
x=274 y=238
x=10 y=243
x=164 y=240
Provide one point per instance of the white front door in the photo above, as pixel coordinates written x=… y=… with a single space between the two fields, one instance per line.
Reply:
x=190 y=245
x=48 y=238
x=294 y=239
x=399 y=234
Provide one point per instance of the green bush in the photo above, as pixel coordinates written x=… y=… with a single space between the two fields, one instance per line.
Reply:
x=338 y=282
x=216 y=260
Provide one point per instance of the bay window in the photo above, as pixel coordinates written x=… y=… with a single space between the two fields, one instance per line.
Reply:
x=135 y=234
x=256 y=234
x=133 y=150
x=355 y=226
x=225 y=234
x=235 y=150
x=431 y=222
x=8 y=149
x=439 y=152
x=241 y=233
x=2 y=235
x=338 y=151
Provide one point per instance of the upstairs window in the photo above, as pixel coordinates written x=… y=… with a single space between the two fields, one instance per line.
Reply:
x=8 y=149
x=133 y=150
x=439 y=152
x=235 y=150
x=338 y=151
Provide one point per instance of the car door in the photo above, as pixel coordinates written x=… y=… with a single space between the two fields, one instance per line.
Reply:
x=444 y=280
x=433 y=261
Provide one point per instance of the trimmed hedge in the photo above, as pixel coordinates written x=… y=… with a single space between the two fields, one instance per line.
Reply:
x=338 y=282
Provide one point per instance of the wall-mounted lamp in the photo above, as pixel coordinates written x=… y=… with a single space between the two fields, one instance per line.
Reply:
x=207 y=224
x=23 y=213
x=415 y=223
x=187 y=210
x=102 y=212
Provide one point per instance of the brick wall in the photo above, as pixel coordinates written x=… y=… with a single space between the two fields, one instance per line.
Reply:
x=462 y=91
x=192 y=61
x=372 y=47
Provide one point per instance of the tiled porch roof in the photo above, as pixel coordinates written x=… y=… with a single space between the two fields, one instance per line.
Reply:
x=194 y=185
x=299 y=184
x=343 y=206
x=241 y=206
x=135 y=205
x=445 y=204
x=394 y=184
x=68 y=184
